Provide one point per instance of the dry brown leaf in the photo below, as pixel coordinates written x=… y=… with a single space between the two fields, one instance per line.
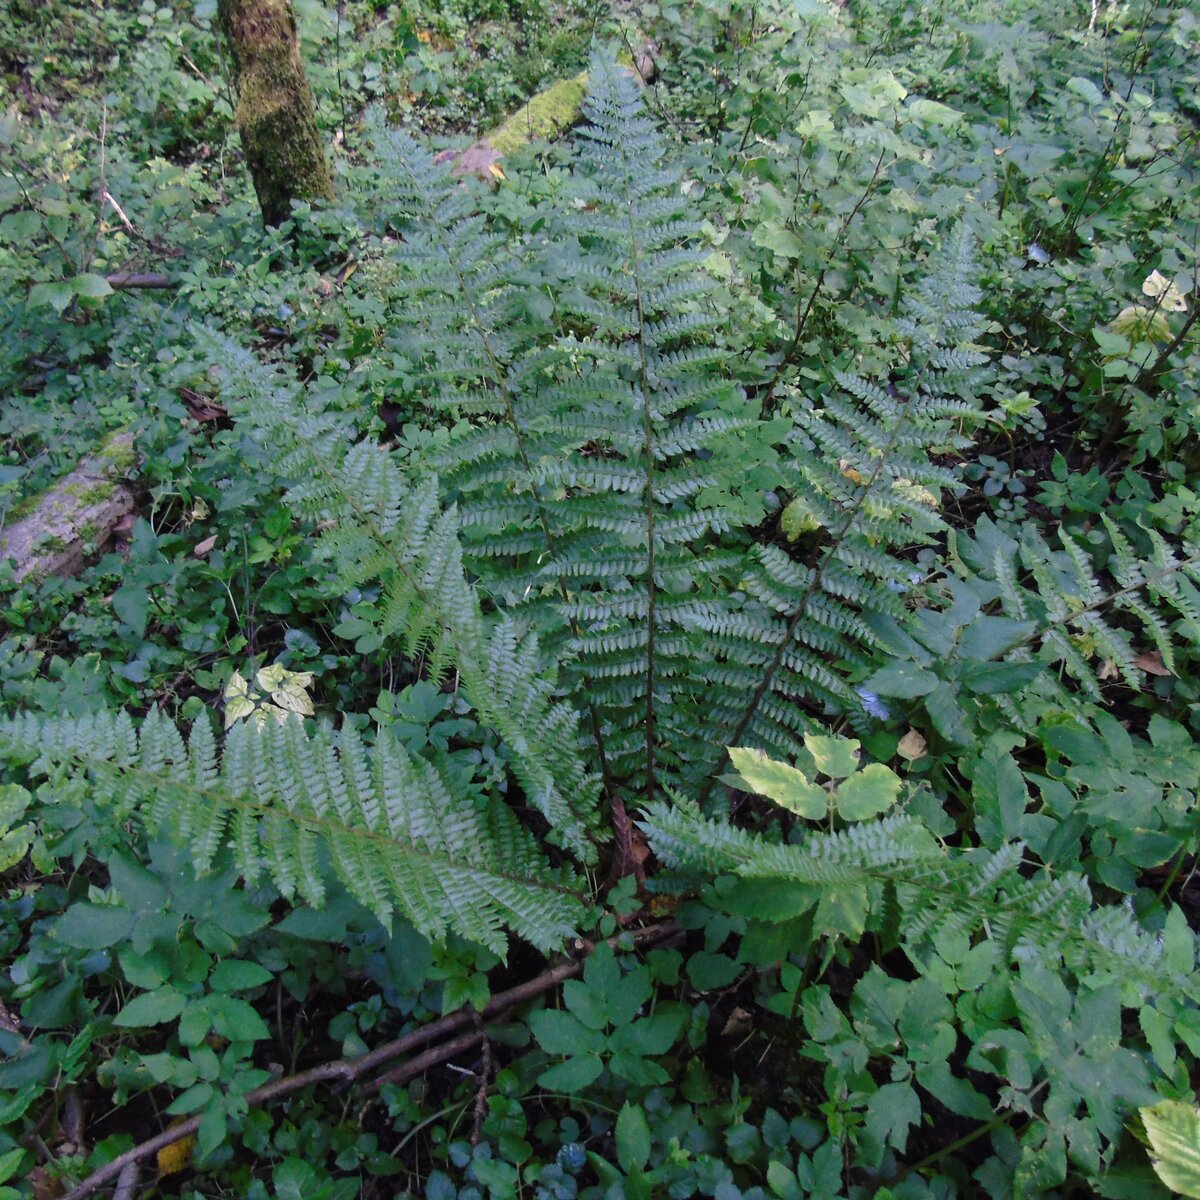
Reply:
x=912 y=746
x=738 y=1024
x=1151 y=663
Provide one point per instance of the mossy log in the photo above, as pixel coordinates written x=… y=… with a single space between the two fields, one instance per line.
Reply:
x=543 y=118
x=76 y=517
x=275 y=116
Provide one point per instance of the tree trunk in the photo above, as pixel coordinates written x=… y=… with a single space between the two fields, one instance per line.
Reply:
x=275 y=113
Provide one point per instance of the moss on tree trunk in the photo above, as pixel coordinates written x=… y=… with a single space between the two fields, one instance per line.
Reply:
x=275 y=113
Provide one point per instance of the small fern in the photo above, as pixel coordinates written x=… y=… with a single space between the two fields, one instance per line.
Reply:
x=1077 y=614
x=895 y=867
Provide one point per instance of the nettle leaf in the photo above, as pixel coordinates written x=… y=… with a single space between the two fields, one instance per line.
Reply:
x=868 y=793
x=1173 y=1128
x=904 y=680
x=787 y=786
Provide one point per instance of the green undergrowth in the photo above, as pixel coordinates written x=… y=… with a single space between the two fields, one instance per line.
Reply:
x=745 y=562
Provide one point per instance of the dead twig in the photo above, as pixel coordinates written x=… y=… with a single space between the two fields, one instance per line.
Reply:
x=346 y=1071
x=485 y=1078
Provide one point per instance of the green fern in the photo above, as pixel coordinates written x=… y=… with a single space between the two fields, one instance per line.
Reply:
x=377 y=526
x=896 y=866
x=1078 y=614
x=295 y=805
x=865 y=478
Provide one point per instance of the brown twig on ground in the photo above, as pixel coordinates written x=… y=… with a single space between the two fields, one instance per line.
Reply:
x=485 y=1079
x=127 y=1181
x=346 y=1071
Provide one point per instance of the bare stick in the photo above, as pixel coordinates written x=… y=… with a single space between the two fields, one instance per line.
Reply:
x=346 y=1071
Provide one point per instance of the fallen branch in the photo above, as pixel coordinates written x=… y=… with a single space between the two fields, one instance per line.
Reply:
x=123 y=281
x=544 y=117
x=346 y=1071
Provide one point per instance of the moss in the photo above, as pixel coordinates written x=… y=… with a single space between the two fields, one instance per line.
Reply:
x=545 y=116
x=116 y=455
x=90 y=493
x=275 y=115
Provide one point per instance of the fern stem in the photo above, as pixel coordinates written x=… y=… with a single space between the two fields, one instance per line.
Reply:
x=793 y=625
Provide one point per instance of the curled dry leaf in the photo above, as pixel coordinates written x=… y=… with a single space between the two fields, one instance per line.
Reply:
x=912 y=746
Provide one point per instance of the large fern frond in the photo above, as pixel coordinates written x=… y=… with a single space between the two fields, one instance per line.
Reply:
x=377 y=526
x=868 y=487
x=295 y=805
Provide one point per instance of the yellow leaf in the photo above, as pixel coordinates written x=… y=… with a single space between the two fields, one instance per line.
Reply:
x=495 y=169
x=176 y=1157
x=912 y=746
x=1160 y=288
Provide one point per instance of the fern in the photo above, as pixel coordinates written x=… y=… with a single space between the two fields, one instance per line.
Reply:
x=581 y=537
x=1078 y=614
x=295 y=806
x=376 y=526
x=599 y=474
x=868 y=489
x=936 y=892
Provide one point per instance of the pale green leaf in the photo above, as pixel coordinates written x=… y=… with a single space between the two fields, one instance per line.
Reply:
x=788 y=787
x=1173 y=1128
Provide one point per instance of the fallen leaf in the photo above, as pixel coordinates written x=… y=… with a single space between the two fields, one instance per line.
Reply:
x=912 y=746
x=176 y=1157
x=1151 y=663
x=202 y=548
x=738 y=1024
x=202 y=408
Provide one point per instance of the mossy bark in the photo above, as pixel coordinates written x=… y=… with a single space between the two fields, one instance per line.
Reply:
x=275 y=114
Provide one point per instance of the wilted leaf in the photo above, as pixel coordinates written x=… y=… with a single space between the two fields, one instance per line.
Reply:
x=1158 y=287
x=1151 y=663
x=912 y=746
